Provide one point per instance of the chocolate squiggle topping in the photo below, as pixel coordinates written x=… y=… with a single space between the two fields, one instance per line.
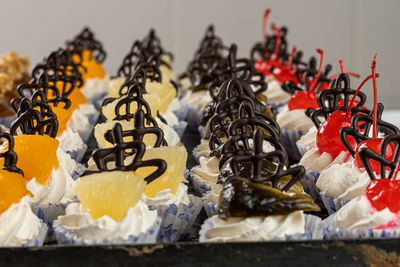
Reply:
x=368 y=156
x=85 y=41
x=361 y=127
x=30 y=121
x=9 y=156
x=118 y=154
x=336 y=98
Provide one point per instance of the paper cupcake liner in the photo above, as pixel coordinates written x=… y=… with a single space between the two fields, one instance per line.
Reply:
x=78 y=171
x=39 y=240
x=289 y=139
x=209 y=207
x=48 y=214
x=302 y=148
x=331 y=204
x=312 y=231
x=309 y=182
x=77 y=154
x=6 y=121
x=177 y=219
x=199 y=185
x=332 y=232
x=68 y=238
x=180 y=128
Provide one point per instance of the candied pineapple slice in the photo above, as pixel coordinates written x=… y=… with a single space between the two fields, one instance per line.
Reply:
x=109 y=193
x=101 y=128
x=37 y=156
x=152 y=100
x=115 y=84
x=165 y=92
x=176 y=157
x=12 y=189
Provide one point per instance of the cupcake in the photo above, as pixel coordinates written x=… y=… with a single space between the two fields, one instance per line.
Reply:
x=19 y=226
x=48 y=180
x=256 y=207
x=111 y=210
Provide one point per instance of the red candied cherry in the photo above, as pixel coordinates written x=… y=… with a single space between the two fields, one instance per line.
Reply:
x=384 y=193
x=286 y=72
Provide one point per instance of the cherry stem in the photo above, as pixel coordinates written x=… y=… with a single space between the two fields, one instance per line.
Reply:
x=358 y=90
x=291 y=56
x=341 y=64
x=321 y=53
x=353 y=74
x=278 y=39
x=265 y=21
x=373 y=67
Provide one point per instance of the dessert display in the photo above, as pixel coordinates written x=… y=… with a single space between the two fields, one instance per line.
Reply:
x=284 y=151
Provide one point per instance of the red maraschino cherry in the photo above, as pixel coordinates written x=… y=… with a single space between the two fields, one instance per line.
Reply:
x=328 y=137
x=384 y=193
x=287 y=71
x=307 y=99
x=374 y=143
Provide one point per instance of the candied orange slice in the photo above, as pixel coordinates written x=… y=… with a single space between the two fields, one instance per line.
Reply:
x=109 y=193
x=37 y=156
x=176 y=157
x=152 y=100
x=165 y=92
x=12 y=189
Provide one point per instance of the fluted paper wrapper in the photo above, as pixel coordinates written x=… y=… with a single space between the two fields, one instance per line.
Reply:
x=39 y=240
x=199 y=185
x=67 y=238
x=209 y=207
x=289 y=139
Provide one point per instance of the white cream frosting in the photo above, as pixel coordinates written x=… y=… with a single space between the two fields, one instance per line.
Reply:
x=79 y=120
x=313 y=160
x=66 y=162
x=276 y=94
x=185 y=84
x=71 y=141
x=213 y=195
x=295 y=120
x=253 y=228
x=203 y=149
x=309 y=139
x=359 y=214
x=207 y=170
x=78 y=222
x=165 y=197
x=170 y=135
x=57 y=190
x=171 y=118
x=95 y=87
x=198 y=100
x=18 y=224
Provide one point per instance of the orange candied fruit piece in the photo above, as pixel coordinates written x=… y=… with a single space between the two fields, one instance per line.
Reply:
x=93 y=68
x=37 y=156
x=12 y=189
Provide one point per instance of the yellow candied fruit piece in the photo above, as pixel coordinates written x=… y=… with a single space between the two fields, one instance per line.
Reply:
x=152 y=100
x=176 y=157
x=37 y=156
x=115 y=84
x=12 y=189
x=165 y=92
x=101 y=128
x=109 y=193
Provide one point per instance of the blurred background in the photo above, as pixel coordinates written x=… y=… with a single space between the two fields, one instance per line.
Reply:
x=348 y=30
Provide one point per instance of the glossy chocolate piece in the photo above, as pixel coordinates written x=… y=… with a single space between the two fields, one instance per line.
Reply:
x=361 y=125
x=30 y=121
x=367 y=155
x=328 y=100
x=118 y=154
x=9 y=156
x=242 y=198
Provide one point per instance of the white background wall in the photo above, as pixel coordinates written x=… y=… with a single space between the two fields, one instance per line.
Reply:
x=349 y=30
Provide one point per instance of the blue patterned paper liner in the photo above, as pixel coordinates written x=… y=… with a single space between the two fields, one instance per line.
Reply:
x=39 y=240
x=312 y=231
x=332 y=232
x=182 y=112
x=177 y=219
x=289 y=139
x=309 y=182
x=48 y=214
x=332 y=204
x=68 y=238
x=77 y=154
x=199 y=185
x=180 y=128
x=209 y=207
x=80 y=169
x=6 y=121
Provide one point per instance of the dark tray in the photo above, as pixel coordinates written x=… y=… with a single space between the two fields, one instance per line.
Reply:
x=190 y=252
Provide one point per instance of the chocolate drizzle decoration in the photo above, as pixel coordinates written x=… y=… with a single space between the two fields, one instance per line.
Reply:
x=367 y=155
x=85 y=40
x=336 y=98
x=9 y=156
x=30 y=121
x=118 y=155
